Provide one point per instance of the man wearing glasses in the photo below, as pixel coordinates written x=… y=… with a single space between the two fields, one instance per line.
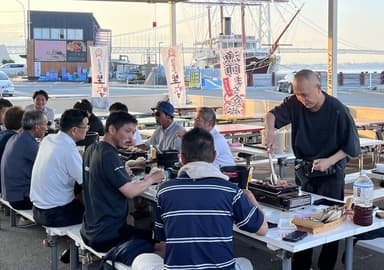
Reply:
x=57 y=168
x=206 y=119
x=165 y=136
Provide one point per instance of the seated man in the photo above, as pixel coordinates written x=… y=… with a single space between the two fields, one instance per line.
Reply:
x=165 y=136
x=12 y=124
x=40 y=99
x=107 y=186
x=206 y=119
x=198 y=204
x=18 y=158
x=58 y=167
x=95 y=123
x=121 y=107
x=5 y=104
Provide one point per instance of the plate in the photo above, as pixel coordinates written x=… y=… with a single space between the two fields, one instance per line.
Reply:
x=377 y=171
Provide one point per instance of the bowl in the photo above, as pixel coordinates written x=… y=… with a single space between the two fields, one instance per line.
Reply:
x=380 y=167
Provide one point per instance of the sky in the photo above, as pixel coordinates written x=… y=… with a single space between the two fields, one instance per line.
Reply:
x=360 y=24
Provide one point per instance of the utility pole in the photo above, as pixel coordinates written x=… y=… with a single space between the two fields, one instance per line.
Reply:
x=24 y=25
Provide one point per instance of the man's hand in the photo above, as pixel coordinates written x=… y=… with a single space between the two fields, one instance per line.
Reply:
x=156 y=176
x=321 y=164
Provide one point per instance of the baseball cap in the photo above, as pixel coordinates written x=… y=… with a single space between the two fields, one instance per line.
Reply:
x=165 y=107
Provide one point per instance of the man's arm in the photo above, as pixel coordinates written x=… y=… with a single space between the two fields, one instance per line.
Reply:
x=133 y=189
x=323 y=164
x=264 y=227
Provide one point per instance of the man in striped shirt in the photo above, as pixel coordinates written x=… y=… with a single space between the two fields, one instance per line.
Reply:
x=197 y=210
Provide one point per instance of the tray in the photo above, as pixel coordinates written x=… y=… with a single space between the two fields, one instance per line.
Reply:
x=316 y=227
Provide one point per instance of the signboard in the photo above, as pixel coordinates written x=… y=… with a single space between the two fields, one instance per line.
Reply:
x=233 y=81
x=60 y=51
x=194 y=78
x=50 y=51
x=37 y=69
x=76 y=51
x=174 y=70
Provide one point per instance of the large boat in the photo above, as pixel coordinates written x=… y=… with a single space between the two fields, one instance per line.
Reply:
x=258 y=60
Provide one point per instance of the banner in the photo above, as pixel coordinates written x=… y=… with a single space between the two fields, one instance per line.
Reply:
x=100 y=76
x=233 y=81
x=174 y=70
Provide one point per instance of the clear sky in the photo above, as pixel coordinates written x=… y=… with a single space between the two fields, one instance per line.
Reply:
x=360 y=23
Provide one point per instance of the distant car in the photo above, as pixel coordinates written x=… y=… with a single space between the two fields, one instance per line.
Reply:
x=285 y=85
x=13 y=69
x=6 y=85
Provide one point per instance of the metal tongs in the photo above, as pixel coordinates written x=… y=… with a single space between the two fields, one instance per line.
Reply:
x=274 y=178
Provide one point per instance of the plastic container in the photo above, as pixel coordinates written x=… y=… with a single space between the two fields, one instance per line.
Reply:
x=363 y=198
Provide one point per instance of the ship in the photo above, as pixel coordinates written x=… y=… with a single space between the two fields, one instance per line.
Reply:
x=258 y=60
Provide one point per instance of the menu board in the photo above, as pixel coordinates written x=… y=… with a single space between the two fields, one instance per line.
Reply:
x=76 y=51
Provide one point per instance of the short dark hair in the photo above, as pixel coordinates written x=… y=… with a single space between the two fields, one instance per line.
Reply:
x=71 y=118
x=307 y=74
x=40 y=93
x=31 y=118
x=197 y=145
x=84 y=105
x=119 y=119
x=5 y=103
x=12 y=118
x=117 y=107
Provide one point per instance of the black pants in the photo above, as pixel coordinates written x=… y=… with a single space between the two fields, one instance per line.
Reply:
x=126 y=233
x=25 y=204
x=330 y=186
x=66 y=215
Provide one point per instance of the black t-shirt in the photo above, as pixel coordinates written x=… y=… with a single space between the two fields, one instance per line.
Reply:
x=4 y=137
x=318 y=134
x=106 y=208
x=96 y=125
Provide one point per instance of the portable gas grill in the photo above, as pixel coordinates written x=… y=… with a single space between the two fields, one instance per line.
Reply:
x=283 y=197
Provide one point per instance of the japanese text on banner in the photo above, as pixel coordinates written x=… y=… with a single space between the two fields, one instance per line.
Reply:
x=100 y=71
x=232 y=76
x=174 y=70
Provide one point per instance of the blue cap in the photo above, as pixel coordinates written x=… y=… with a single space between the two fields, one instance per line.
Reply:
x=165 y=107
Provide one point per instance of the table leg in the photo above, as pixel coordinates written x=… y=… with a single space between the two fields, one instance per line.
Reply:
x=287 y=263
x=286 y=259
x=348 y=253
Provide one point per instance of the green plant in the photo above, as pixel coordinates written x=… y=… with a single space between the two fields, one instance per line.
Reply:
x=6 y=61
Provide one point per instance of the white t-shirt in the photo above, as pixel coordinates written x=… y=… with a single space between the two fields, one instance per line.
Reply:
x=224 y=155
x=57 y=167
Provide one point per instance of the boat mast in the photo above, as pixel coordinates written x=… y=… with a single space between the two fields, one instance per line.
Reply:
x=243 y=41
x=209 y=28
x=221 y=20
x=275 y=45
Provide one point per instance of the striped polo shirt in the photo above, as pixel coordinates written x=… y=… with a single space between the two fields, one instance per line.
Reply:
x=196 y=217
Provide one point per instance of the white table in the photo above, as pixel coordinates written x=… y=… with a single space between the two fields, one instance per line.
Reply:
x=372 y=144
x=346 y=231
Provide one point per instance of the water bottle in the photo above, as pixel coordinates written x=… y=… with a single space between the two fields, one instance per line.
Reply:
x=363 y=197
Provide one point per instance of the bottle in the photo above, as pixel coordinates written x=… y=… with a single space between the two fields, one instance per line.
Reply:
x=363 y=198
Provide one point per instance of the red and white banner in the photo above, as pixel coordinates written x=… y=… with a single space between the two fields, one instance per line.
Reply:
x=174 y=70
x=100 y=71
x=233 y=80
